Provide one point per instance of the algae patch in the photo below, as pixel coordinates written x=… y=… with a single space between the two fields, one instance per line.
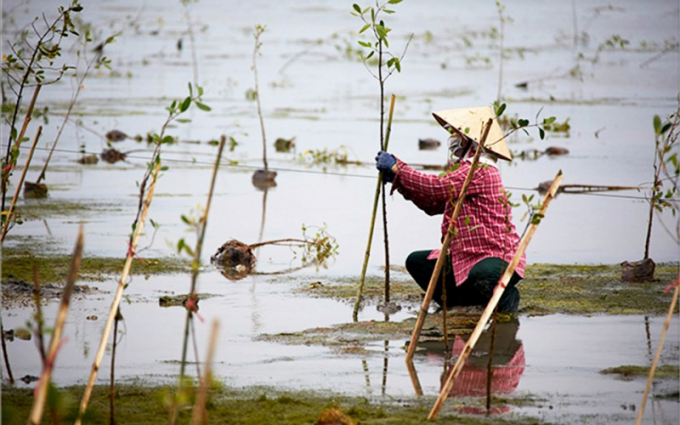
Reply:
x=629 y=372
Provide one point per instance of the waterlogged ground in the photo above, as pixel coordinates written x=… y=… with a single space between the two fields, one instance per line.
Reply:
x=313 y=88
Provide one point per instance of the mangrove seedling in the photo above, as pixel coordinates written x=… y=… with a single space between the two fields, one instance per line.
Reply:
x=265 y=177
x=664 y=192
x=378 y=46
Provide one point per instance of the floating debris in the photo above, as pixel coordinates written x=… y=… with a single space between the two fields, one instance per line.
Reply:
x=556 y=150
x=581 y=188
x=112 y=156
x=263 y=179
x=35 y=190
x=178 y=300
x=284 y=145
x=116 y=136
x=88 y=159
x=428 y=144
x=27 y=379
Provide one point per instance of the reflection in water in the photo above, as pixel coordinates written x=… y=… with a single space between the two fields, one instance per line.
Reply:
x=507 y=363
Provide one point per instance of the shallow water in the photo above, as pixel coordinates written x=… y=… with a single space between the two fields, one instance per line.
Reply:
x=312 y=91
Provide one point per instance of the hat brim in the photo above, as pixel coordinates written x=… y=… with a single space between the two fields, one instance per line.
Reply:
x=470 y=123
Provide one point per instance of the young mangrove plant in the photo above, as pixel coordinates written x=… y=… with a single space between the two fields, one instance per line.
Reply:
x=33 y=61
x=146 y=190
x=265 y=177
x=387 y=63
x=664 y=192
x=81 y=71
x=191 y=304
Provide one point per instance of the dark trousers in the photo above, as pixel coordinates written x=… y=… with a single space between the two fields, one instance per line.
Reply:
x=477 y=288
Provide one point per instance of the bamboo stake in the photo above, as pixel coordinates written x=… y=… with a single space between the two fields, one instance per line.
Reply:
x=44 y=383
x=422 y=314
x=24 y=126
x=199 y=413
x=413 y=374
x=650 y=378
x=21 y=182
x=113 y=311
x=378 y=187
x=495 y=298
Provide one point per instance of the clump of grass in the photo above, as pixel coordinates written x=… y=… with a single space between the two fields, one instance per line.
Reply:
x=631 y=372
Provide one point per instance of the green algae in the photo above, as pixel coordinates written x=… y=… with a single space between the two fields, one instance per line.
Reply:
x=257 y=405
x=545 y=289
x=18 y=264
x=630 y=372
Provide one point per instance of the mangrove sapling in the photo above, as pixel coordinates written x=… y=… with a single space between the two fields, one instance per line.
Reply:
x=38 y=189
x=664 y=192
x=56 y=341
x=370 y=16
x=265 y=177
x=493 y=303
x=192 y=301
x=192 y=39
x=146 y=190
x=32 y=63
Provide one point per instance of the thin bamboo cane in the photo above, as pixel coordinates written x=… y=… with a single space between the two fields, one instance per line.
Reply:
x=199 y=414
x=113 y=311
x=422 y=314
x=44 y=383
x=21 y=182
x=24 y=126
x=666 y=325
x=378 y=187
x=194 y=278
x=495 y=298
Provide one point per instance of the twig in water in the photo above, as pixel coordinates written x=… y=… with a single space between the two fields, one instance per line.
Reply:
x=55 y=343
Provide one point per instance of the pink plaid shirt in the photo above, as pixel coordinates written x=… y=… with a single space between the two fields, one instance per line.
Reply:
x=484 y=225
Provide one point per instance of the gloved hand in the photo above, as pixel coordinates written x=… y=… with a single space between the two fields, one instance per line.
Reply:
x=384 y=162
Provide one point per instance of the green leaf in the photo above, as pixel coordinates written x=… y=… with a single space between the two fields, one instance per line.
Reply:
x=365 y=44
x=167 y=139
x=202 y=106
x=499 y=108
x=541 y=133
x=665 y=127
x=183 y=120
x=657 y=124
x=185 y=104
x=523 y=122
x=364 y=28
x=186 y=220
x=180 y=245
x=356 y=8
x=548 y=121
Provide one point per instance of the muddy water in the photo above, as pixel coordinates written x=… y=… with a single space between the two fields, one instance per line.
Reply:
x=311 y=91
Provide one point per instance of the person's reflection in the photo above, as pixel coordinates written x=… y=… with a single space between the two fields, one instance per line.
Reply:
x=507 y=365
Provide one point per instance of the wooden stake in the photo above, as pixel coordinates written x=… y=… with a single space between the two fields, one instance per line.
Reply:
x=650 y=378
x=379 y=185
x=44 y=383
x=21 y=183
x=113 y=311
x=495 y=298
x=422 y=314
x=199 y=414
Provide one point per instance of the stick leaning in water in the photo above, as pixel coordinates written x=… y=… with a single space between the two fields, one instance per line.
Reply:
x=445 y=247
x=55 y=343
x=360 y=290
x=495 y=298
x=113 y=311
x=650 y=377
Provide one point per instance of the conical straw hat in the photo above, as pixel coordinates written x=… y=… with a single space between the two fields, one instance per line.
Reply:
x=470 y=122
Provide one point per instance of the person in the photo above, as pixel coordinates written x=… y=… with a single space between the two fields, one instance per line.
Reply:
x=485 y=239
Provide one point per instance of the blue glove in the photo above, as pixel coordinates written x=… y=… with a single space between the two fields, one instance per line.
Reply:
x=384 y=162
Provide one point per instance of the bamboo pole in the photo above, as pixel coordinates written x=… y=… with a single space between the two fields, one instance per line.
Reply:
x=666 y=325
x=199 y=414
x=379 y=185
x=422 y=314
x=113 y=311
x=495 y=298
x=44 y=383
x=24 y=126
x=21 y=182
